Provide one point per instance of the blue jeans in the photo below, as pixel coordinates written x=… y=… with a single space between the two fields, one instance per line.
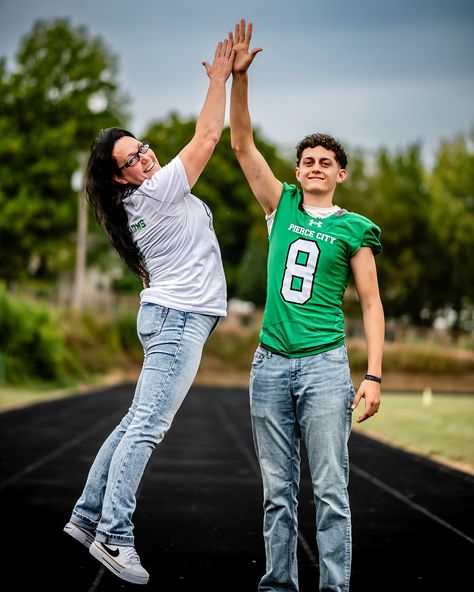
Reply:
x=172 y=341
x=293 y=398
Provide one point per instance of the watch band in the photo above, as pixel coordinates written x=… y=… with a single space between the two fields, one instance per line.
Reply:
x=373 y=378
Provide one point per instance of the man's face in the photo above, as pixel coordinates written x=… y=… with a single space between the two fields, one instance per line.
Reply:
x=318 y=171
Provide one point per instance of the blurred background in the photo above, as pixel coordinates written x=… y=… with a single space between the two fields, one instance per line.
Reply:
x=392 y=80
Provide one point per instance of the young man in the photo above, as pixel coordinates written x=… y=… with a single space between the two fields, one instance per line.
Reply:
x=300 y=384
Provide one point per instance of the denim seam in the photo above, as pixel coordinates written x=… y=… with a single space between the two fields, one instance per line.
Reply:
x=161 y=321
x=157 y=402
x=154 y=412
x=347 y=551
x=292 y=507
x=85 y=519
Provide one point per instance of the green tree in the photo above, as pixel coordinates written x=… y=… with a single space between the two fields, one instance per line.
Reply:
x=451 y=184
x=400 y=205
x=62 y=91
x=354 y=194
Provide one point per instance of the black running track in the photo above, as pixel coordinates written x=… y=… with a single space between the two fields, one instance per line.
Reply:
x=199 y=515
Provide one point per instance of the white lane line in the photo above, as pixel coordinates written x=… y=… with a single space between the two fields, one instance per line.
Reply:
x=43 y=460
x=252 y=460
x=408 y=501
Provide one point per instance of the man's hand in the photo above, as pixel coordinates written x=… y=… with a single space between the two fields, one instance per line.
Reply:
x=241 y=42
x=370 y=391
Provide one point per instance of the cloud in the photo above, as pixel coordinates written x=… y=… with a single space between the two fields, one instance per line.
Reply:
x=375 y=73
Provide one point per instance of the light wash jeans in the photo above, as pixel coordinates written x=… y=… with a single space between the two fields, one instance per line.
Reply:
x=172 y=341
x=293 y=398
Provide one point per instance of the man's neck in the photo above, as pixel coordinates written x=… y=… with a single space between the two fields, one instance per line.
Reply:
x=318 y=201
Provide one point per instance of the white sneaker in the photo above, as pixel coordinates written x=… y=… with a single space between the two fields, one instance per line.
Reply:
x=124 y=562
x=86 y=537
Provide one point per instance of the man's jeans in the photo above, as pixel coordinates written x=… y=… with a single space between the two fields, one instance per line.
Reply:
x=172 y=341
x=310 y=398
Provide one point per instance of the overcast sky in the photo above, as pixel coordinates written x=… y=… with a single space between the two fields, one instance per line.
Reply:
x=371 y=72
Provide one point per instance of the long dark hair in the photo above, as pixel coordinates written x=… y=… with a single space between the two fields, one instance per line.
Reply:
x=105 y=195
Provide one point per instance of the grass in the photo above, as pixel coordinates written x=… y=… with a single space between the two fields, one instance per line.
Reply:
x=12 y=397
x=440 y=427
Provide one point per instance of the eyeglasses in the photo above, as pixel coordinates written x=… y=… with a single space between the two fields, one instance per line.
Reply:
x=136 y=157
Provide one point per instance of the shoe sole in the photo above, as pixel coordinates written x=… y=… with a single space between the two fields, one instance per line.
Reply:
x=80 y=534
x=114 y=567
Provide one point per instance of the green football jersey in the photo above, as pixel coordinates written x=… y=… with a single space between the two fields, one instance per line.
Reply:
x=307 y=274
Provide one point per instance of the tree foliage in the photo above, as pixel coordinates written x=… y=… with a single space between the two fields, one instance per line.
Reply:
x=427 y=221
x=451 y=186
x=62 y=91
x=400 y=206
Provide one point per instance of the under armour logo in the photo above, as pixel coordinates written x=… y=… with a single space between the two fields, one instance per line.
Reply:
x=318 y=223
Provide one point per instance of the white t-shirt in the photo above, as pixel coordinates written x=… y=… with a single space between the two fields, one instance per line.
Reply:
x=174 y=232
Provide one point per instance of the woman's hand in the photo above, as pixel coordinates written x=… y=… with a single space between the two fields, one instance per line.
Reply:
x=223 y=60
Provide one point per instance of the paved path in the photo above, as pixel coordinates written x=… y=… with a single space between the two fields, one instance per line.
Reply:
x=198 y=522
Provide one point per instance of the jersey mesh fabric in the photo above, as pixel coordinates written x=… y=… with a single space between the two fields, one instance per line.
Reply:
x=307 y=274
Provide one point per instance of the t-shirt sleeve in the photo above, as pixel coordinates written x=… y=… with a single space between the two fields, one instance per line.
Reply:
x=168 y=186
x=368 y=236
x=371 y=238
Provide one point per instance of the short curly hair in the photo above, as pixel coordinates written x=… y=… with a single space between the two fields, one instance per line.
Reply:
x=325 y=141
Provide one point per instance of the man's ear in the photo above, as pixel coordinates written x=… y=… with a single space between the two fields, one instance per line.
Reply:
x=341 y=175
x=297 y=173
x=119 y=179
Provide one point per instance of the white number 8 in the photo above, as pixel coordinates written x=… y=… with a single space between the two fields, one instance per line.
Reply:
x=299 y=271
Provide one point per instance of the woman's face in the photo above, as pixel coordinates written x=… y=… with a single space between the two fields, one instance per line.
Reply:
x=135 y=161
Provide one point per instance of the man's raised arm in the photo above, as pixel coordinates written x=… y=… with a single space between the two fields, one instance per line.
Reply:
x=265 y=186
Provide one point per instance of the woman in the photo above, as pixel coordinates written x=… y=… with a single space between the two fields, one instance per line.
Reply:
x=165 y=236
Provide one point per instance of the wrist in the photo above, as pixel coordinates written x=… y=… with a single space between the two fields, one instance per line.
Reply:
x=373 y=378
x=218 y=79
x=239 y=74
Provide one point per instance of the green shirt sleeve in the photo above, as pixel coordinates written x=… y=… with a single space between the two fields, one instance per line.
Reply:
x=371 y=238
x=366 y=234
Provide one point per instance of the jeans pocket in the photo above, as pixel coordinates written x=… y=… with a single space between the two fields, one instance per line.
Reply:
x=336 y=356
x=258 y=357
x=151 y=319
